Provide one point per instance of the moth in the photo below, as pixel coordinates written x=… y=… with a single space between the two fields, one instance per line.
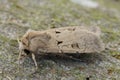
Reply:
x=76 y=39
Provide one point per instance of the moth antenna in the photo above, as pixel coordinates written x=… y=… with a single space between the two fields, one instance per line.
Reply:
x=19 y=51
x=18 y=39
x=19 y=60
x=35 y=62
x=19 y=55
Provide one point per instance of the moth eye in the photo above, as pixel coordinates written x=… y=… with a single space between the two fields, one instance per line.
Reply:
x=23 y=43
x=27 y=51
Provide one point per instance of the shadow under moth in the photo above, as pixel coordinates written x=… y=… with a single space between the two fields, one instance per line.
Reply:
x=76 y=39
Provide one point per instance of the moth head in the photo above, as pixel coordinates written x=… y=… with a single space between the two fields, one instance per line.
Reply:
x=23 y=49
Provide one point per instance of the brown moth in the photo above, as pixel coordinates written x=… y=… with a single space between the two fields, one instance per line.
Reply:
x=60 y=40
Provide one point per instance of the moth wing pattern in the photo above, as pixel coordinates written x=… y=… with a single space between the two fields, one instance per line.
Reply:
x=73 y=40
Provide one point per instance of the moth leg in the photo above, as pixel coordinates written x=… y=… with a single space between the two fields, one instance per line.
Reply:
x=19 y=57
x=19 y=52
x=35 y=62
x=19 y=60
